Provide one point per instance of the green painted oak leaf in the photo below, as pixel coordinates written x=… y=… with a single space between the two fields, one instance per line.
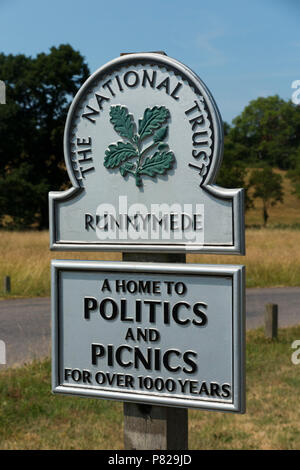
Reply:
x=153 y=119
x=118 y=153
x=122 y=121
x=138 y=180
x=162 y=146
x=126 y=167
x=159 y=164
x=160 y=135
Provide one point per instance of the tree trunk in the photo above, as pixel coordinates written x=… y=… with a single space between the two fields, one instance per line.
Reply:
x=44 y=217
x=265 y=213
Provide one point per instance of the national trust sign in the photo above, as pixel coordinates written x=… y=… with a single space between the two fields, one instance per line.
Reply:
x=143 y=144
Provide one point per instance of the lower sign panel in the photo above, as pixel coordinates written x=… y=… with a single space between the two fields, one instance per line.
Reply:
x=161 y=334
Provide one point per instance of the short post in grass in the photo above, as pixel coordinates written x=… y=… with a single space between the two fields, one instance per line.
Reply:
x=271 y=321
x=151 y=427
x=6 y=285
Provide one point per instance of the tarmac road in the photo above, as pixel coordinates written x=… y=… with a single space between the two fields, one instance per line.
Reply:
x=25 y=327
x=25 y=324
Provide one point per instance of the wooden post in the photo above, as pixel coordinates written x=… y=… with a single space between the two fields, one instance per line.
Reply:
x=155 y=427
x=148 y=427
x=271 y=321
x=6 y=285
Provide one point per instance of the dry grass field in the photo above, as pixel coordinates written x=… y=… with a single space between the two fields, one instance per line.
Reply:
x=31 y=417
x=25 y=257
x=272 y=254
x=272 y=259
x=286 y=213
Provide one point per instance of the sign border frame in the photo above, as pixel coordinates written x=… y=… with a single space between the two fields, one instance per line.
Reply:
x=235 y=195
x=237 y=272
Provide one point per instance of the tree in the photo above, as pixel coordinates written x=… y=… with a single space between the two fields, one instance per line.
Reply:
x=38 y=93
x=267 y=187
x=20 y=198
x=269 y=128
x=294 y=174
x=232 y=173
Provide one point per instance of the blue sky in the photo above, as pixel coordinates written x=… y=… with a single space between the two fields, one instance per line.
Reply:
x=241 y=49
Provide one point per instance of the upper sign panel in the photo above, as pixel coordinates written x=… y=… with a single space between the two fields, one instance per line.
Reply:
x=143 y=145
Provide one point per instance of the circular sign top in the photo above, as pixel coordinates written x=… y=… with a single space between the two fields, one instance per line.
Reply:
x=143 y=119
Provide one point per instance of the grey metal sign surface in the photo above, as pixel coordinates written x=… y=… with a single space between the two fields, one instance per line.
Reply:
x=143 y=144
x=171 y=335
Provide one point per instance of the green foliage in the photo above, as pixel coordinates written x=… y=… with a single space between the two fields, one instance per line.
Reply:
x=21 y=198
x=267 y=187
x=294 y=174
x=266 y=133
x=39 y=91
x=152 y=121
x=232 y=173
x=269 y=128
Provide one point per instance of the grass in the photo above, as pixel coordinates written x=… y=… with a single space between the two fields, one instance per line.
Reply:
x=31 y=417
x=272 y=260
x=25 y=257
x=273 y=411
x=272 y=256
x=286 y=213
